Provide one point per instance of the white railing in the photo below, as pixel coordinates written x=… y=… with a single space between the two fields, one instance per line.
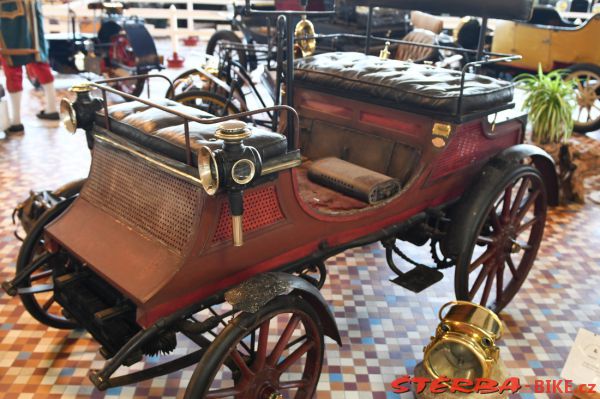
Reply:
x=209 y=12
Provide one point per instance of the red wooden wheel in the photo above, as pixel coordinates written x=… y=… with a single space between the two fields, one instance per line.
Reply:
x=275 y=352
x=123 y=62
x=505 y=240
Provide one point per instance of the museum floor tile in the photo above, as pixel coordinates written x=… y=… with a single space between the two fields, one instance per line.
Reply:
x=384 y=327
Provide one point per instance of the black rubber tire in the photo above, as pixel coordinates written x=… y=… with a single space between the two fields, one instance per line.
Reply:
x=227 y=36
x=26 y=254
x=240 y=327
x=475 y=211
x=211 y=98
x=595 y=69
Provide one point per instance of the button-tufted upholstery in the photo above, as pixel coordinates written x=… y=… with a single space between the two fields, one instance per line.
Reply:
x=164 y=133
x=401 y=84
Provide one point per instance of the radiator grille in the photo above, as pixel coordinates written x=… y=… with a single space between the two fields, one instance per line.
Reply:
x=261 y=209
x=143 y=197
x=469 y=145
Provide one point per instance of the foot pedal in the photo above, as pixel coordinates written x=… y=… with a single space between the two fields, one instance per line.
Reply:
x=419 y=278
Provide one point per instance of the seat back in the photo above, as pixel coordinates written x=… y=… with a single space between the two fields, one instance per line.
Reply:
x=406 y=52
x=545 y=15
x=422 y=20
x=580 y=6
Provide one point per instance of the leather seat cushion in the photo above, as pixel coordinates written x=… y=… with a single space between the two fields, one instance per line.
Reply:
x=401 y=84
x=164 y=133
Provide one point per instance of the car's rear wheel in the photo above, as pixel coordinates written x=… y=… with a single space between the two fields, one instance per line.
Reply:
x=502 y=239
x=587 y=88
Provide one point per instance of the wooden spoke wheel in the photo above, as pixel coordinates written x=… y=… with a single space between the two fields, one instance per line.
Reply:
x=37 y=291
x=504 y=241
x=122 y=62
x=586 y=115
x=273 y=353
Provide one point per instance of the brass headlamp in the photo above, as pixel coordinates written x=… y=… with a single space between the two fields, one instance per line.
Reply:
x=464 y=345
x=232 y=168
x=81 y=112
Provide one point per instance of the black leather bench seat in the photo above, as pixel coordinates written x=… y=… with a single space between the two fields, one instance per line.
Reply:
x=400 y=84
x=164 y=133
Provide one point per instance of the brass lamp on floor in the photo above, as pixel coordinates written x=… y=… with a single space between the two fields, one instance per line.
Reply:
x=464 y=345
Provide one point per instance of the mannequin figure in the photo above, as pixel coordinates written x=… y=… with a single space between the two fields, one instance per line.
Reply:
x=22 y=43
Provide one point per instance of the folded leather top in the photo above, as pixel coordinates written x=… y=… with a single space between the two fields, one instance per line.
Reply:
x=164 y=133
x=400 y=84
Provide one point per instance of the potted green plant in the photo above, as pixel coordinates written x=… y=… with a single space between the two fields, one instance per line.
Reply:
x=550 y=101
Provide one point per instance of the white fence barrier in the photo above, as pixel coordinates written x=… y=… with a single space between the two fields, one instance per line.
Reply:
x=197 y=13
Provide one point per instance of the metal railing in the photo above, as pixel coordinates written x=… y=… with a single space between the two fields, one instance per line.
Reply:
x=101 y=85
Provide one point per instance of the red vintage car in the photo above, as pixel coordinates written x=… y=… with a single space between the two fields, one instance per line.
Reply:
x=218 y=230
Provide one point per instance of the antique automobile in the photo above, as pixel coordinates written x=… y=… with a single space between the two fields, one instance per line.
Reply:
x=217 y=230
x=552 y=42
x=122 y=46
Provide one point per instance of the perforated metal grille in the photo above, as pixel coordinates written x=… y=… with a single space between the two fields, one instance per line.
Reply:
x=143 y=197
x=469 y=145
x=261 y=209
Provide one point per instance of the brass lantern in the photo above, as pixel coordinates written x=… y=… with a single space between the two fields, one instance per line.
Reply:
x=464 y=345
x=304 y=35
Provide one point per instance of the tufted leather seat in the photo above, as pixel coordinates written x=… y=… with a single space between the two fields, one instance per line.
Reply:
x=400 y=84
x=164 y=133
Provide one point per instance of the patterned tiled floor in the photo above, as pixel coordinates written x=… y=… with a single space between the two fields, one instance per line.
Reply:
x=383 y=326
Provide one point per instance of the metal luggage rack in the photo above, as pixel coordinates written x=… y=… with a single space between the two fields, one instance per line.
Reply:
x=101 y=85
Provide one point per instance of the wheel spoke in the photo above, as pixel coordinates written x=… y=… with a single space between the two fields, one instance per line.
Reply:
x=482 y=259
x=527 y=205
x=499 y=284
x=488 y=287
x=485 y=240
x=285 y=338
x=511 y=266
x=494 y=219
x=526 y=225
x=38 y=289
x=292 y=384
x=484 y=272
x=40 y=276
x=519 y=198
x=506 y=204
x=48 y=303
x=240 y=363
x=222 y=393
x=295 y=356
x=261 y=350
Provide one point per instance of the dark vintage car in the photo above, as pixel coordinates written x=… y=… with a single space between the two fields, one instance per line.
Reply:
x=208 y=227
x=122 y=46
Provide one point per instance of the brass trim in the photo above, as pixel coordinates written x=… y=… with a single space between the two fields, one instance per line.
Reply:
x=237 y=230
x=168 y=169
x=384 y=54
x=81 y=88
x=441 y=129
x=281 y=166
